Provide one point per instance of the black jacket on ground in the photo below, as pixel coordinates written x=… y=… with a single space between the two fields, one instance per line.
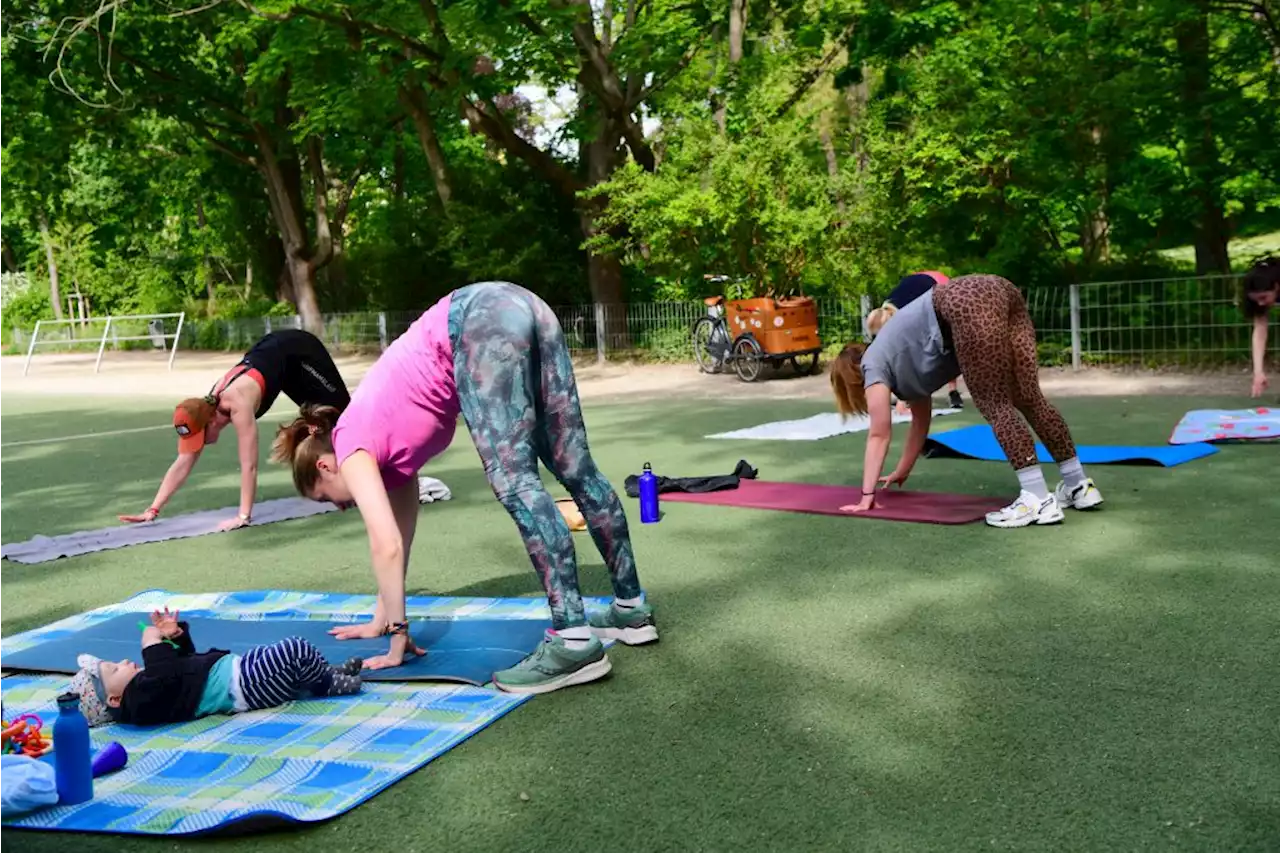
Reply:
x=168 y=688
x=696 y=485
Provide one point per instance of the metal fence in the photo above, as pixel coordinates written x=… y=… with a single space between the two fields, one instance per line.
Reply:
x=1191 y=321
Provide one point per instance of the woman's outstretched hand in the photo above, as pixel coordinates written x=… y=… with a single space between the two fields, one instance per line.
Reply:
x=1260 y=384
x=893 y=477
x=364 y=631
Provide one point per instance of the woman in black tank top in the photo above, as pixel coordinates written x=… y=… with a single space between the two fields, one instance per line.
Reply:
x=290 y=362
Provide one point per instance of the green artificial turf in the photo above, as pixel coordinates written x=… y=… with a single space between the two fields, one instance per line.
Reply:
x=822 y=683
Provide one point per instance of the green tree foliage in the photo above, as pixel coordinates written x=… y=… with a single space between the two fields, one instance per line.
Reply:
x=331 y=155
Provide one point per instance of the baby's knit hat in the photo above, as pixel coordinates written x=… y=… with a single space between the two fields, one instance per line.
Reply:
x=93 y=694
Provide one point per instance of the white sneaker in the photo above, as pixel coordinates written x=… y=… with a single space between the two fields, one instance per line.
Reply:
x=1027 y=509
x=1083 y=496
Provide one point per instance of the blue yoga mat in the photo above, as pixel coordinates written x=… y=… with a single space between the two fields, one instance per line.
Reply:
x=979 y=442
x=468 y=651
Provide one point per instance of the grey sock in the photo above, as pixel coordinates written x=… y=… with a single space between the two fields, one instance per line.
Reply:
x=1032 y=480
x=1072 y=472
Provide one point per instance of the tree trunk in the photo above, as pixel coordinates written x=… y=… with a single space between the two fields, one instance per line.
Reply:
x=302 y=275
x=1095 y=236
x=337 y=267
x=833 y=167
x=10 y=262
x=201 y=224
x=248 y=279
x=737 y=29
x=415 y=103
x=1202 y=161
x=283 y=176
x=54 y=296
x=284 y=285
x=720 y=95
x=857 y=96
x=397 y=168
x=604 y=272
x=715 y=95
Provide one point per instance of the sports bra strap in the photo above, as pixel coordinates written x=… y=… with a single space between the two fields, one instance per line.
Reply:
x=216 y=391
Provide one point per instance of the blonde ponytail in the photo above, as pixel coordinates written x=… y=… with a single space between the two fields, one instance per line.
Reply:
x=877 y=318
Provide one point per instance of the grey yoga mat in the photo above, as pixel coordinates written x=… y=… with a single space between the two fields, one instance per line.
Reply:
x=41 y=549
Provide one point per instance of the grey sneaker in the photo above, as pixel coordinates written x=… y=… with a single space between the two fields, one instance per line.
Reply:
x=633 y=626
x=555 y=665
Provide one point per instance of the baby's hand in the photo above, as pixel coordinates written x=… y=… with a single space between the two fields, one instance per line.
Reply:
x=166 y=623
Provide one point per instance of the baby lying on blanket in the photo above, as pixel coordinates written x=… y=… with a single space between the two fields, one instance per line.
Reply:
x=177 y=683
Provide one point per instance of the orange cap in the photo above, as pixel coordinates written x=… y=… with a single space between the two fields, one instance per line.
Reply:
x=189 y=419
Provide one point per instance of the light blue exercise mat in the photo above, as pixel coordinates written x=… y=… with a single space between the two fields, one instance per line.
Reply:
x=1259 y=424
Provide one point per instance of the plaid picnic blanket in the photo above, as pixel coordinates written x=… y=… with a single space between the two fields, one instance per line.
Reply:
x=286 y=605
x=303 y=762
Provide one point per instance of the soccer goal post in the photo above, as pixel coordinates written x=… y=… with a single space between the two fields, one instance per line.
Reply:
x=115 y=328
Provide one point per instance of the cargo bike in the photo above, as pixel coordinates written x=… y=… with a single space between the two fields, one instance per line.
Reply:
x=748 y=334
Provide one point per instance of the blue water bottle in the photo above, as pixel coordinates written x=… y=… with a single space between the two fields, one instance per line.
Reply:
x=648 y=496
x=72 y=764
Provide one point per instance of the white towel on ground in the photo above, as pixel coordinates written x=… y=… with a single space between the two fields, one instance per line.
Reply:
x=431 y=490
x=817 y=427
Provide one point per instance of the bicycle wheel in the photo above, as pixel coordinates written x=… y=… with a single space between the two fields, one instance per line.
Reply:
x=710 y=345
x=748 y=358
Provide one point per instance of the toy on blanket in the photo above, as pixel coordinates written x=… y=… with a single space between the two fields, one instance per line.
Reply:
x=109 y=759
x=23 y=737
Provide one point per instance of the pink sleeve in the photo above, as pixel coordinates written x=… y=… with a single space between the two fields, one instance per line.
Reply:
x=350 y=435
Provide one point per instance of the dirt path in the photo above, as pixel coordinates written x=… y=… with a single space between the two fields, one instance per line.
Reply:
x=145 y=375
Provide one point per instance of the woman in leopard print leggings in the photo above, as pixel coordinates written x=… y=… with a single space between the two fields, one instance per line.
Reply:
x=977 y=325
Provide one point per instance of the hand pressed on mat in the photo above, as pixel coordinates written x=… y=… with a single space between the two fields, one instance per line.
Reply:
x=363 y=631
x=867 y=502
x=149 y=515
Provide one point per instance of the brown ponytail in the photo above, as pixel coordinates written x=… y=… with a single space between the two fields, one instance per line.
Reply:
x=846 y=380
x=303 y=442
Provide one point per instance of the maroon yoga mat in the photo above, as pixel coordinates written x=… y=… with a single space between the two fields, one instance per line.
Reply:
x=893 y=505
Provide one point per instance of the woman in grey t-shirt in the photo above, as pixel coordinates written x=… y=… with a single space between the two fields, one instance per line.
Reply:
x=978 y=325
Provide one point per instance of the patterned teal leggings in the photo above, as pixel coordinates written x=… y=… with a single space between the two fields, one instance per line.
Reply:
x=520 y=402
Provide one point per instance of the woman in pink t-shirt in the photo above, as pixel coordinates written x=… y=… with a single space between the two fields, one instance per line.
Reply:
x=494 y=353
